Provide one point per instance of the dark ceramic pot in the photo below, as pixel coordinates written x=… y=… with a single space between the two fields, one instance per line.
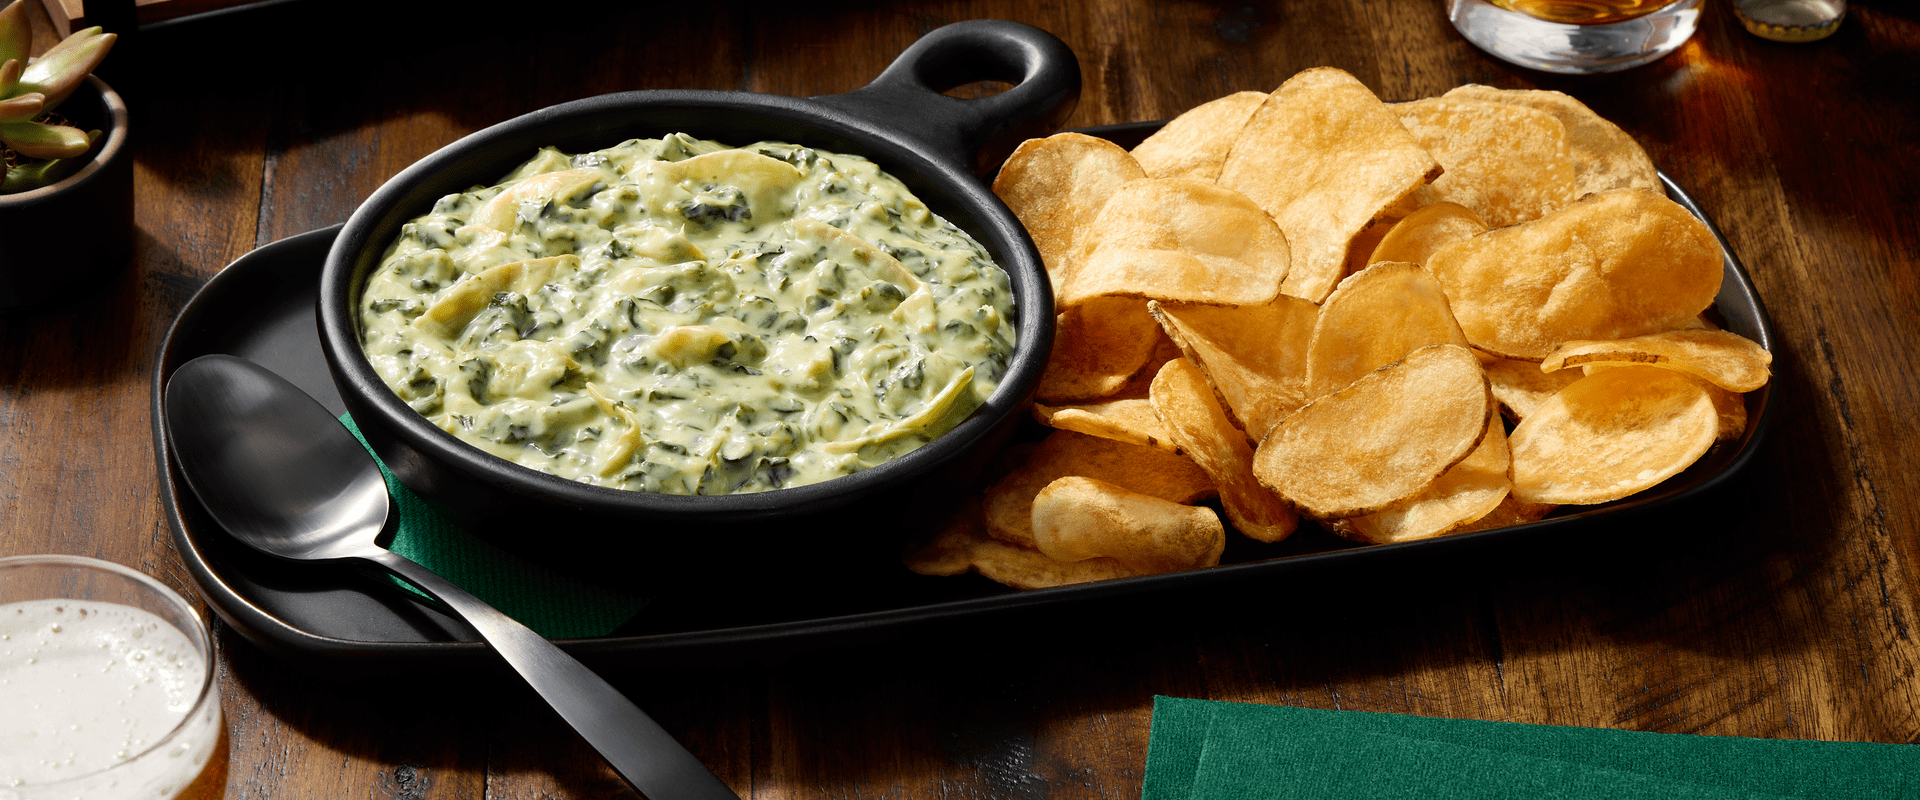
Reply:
x=62 y=242
x=940 y=146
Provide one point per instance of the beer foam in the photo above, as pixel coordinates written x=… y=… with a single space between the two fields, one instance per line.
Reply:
x=91 y=686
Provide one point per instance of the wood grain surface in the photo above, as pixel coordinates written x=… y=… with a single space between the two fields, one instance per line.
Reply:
x=1782 y=606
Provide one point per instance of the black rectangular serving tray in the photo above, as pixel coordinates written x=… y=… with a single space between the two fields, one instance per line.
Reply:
x=261 y=308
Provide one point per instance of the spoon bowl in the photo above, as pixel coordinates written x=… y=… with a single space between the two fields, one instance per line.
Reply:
x=277 y=471
x=251 y=455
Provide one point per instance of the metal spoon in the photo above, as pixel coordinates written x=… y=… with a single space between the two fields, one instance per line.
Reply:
x=274 y=468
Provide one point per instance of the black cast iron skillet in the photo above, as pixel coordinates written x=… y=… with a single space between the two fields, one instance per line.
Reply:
x=939 y=146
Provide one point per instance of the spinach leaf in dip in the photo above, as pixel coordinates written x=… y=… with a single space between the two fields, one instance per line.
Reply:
x=674 y=315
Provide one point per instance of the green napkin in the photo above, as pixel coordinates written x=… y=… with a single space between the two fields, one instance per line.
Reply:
x=1238 y=751
x=552 y=603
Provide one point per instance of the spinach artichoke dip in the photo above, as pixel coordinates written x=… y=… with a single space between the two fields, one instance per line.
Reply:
x=678 y=316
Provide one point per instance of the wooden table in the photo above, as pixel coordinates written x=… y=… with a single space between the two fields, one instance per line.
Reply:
x=1781 y=606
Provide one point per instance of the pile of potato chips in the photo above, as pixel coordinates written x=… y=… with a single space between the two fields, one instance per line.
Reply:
x=1396 y=320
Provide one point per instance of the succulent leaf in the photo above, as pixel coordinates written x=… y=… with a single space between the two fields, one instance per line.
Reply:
x=10 y=76
x=22 y=108
x=39 y=140
x=73 y=40
x=16 y=36
x=57 y=73
x=40 y=173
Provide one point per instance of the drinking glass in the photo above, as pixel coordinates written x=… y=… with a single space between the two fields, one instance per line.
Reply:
x=107 y=686
x=1576 y=36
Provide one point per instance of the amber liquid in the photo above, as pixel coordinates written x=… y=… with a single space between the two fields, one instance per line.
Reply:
x=1584 y=12
x=211 y=783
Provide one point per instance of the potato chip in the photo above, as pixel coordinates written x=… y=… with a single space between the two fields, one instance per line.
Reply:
x=1160 y=350
x=1508 y=513
x=1254 y=357
x=1727 y=360
x=1195 y=420
x=1521 y=386
x=1611 y=434
x=1376 y=317
x=1141 y=385
x=1381 y=440
x=942 y=554
x=1022 y=568
x=1604 y=156
x=1325 y=157
x=1508 y=163
x=1194 y=144
x=1076 y=518
x=1435 y=256
x=1180 y=240
x=1731 y=406
x=1098 y=346
x=1415 y=238
x=1056 y=185
x=1360 y=250
x=1146 y=470
x=947 y=552
x=964 y=546
x=1468 y=491
x=1128 y=419
x=1613 y=265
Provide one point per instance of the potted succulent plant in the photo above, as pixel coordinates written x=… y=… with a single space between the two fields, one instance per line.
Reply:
x=66 y=206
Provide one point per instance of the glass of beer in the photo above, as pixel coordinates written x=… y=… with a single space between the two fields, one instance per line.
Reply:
x=1576 y=36
x=107 y=686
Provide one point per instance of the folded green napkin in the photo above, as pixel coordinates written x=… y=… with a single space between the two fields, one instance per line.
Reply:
x=552 y=603
x=1237 y=751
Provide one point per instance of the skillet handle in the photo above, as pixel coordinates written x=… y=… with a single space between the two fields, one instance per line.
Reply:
x=975 y=135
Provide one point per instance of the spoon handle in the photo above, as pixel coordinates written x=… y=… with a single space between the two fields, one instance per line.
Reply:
x=637 y=747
